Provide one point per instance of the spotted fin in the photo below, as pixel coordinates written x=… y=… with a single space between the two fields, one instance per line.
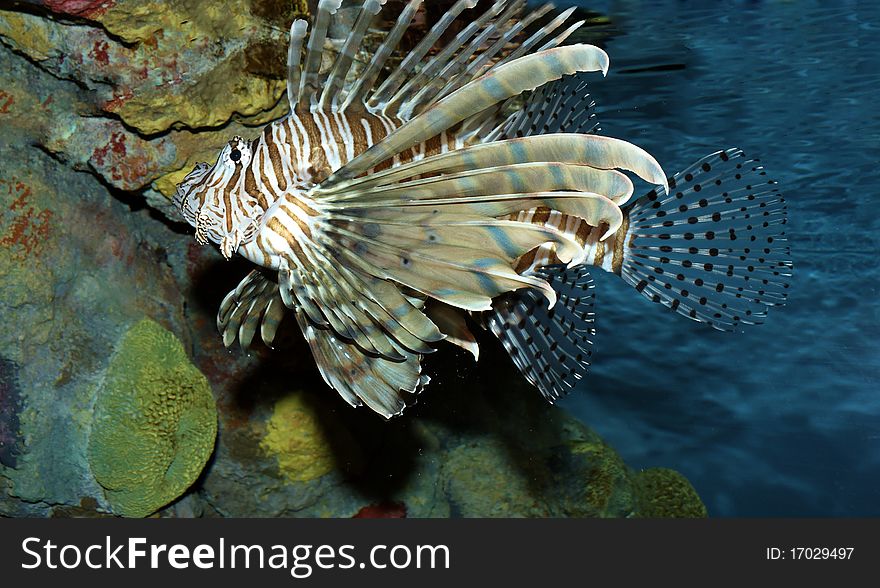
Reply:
x=254 y=303
x=714 y=249
x=383 y=385
x=551 y=347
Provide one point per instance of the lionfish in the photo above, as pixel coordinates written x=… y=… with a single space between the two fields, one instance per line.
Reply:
x=391 y=216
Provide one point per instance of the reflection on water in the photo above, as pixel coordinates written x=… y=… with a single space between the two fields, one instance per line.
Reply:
x=785 y=419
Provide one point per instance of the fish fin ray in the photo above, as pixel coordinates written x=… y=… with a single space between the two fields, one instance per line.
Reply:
x=592 y=150
x=511 y=79
x=558 y=107
x=298 y=31
x=400 y=74
x=357 y=94
x=334 y=86
x=550 y=347
x=385 y=386
x=358 y=307
x=453 y=323
x=254 y=303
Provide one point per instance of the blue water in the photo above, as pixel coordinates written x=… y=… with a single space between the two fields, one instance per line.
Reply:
x=783 y=420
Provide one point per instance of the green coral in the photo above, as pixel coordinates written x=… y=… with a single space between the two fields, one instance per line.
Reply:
x=155 y=422
x=664 y=493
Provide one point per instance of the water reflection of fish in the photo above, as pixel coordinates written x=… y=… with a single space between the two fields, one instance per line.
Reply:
x=391 y=216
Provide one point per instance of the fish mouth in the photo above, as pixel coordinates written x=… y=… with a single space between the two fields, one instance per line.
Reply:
x=192 y=179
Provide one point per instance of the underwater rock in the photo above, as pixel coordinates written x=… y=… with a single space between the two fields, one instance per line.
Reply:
x=155 y=422
x=470 y=449
x=382 y=510
x=155 y=65
x=77 y=268
x=10 y=406
x=159 y=85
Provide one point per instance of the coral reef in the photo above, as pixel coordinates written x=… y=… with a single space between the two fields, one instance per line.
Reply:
x=155 y=422
x=664 y=493
x=105 y=106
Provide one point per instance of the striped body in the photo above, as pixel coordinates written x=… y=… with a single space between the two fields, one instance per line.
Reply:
x=289 y=157
x=604 y=253
x=300 y=151
x=393 y=201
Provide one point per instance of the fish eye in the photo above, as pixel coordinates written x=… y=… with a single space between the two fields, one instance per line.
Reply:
x=235 y=155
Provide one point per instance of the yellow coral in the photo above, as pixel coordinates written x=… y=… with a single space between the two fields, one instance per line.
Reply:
x=155 y=422
x=295 y=436
x=664 y=493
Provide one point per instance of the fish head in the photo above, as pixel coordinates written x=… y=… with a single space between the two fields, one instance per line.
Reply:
x=214 y=201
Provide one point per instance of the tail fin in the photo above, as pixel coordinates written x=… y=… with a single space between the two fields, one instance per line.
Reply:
x=714 y=248
x=551 y=348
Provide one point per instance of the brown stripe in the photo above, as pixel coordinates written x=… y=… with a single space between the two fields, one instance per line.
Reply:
x=275 y=158
x=405 y=156
x=305 y=207
x=278 y=227
x=250 y=186
x=358 y=133
x=262 y=247
x=384 y=165
x=297 y=145
x=319 y=165
x=600 y=253
x=286 y=207
x=201 y=187
x=432 y=146
x=525 y=262
x=541 y=216
x=227 y=197
x=619 y=243
x=336 y=135
x=377 y=128
x=583 y=232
